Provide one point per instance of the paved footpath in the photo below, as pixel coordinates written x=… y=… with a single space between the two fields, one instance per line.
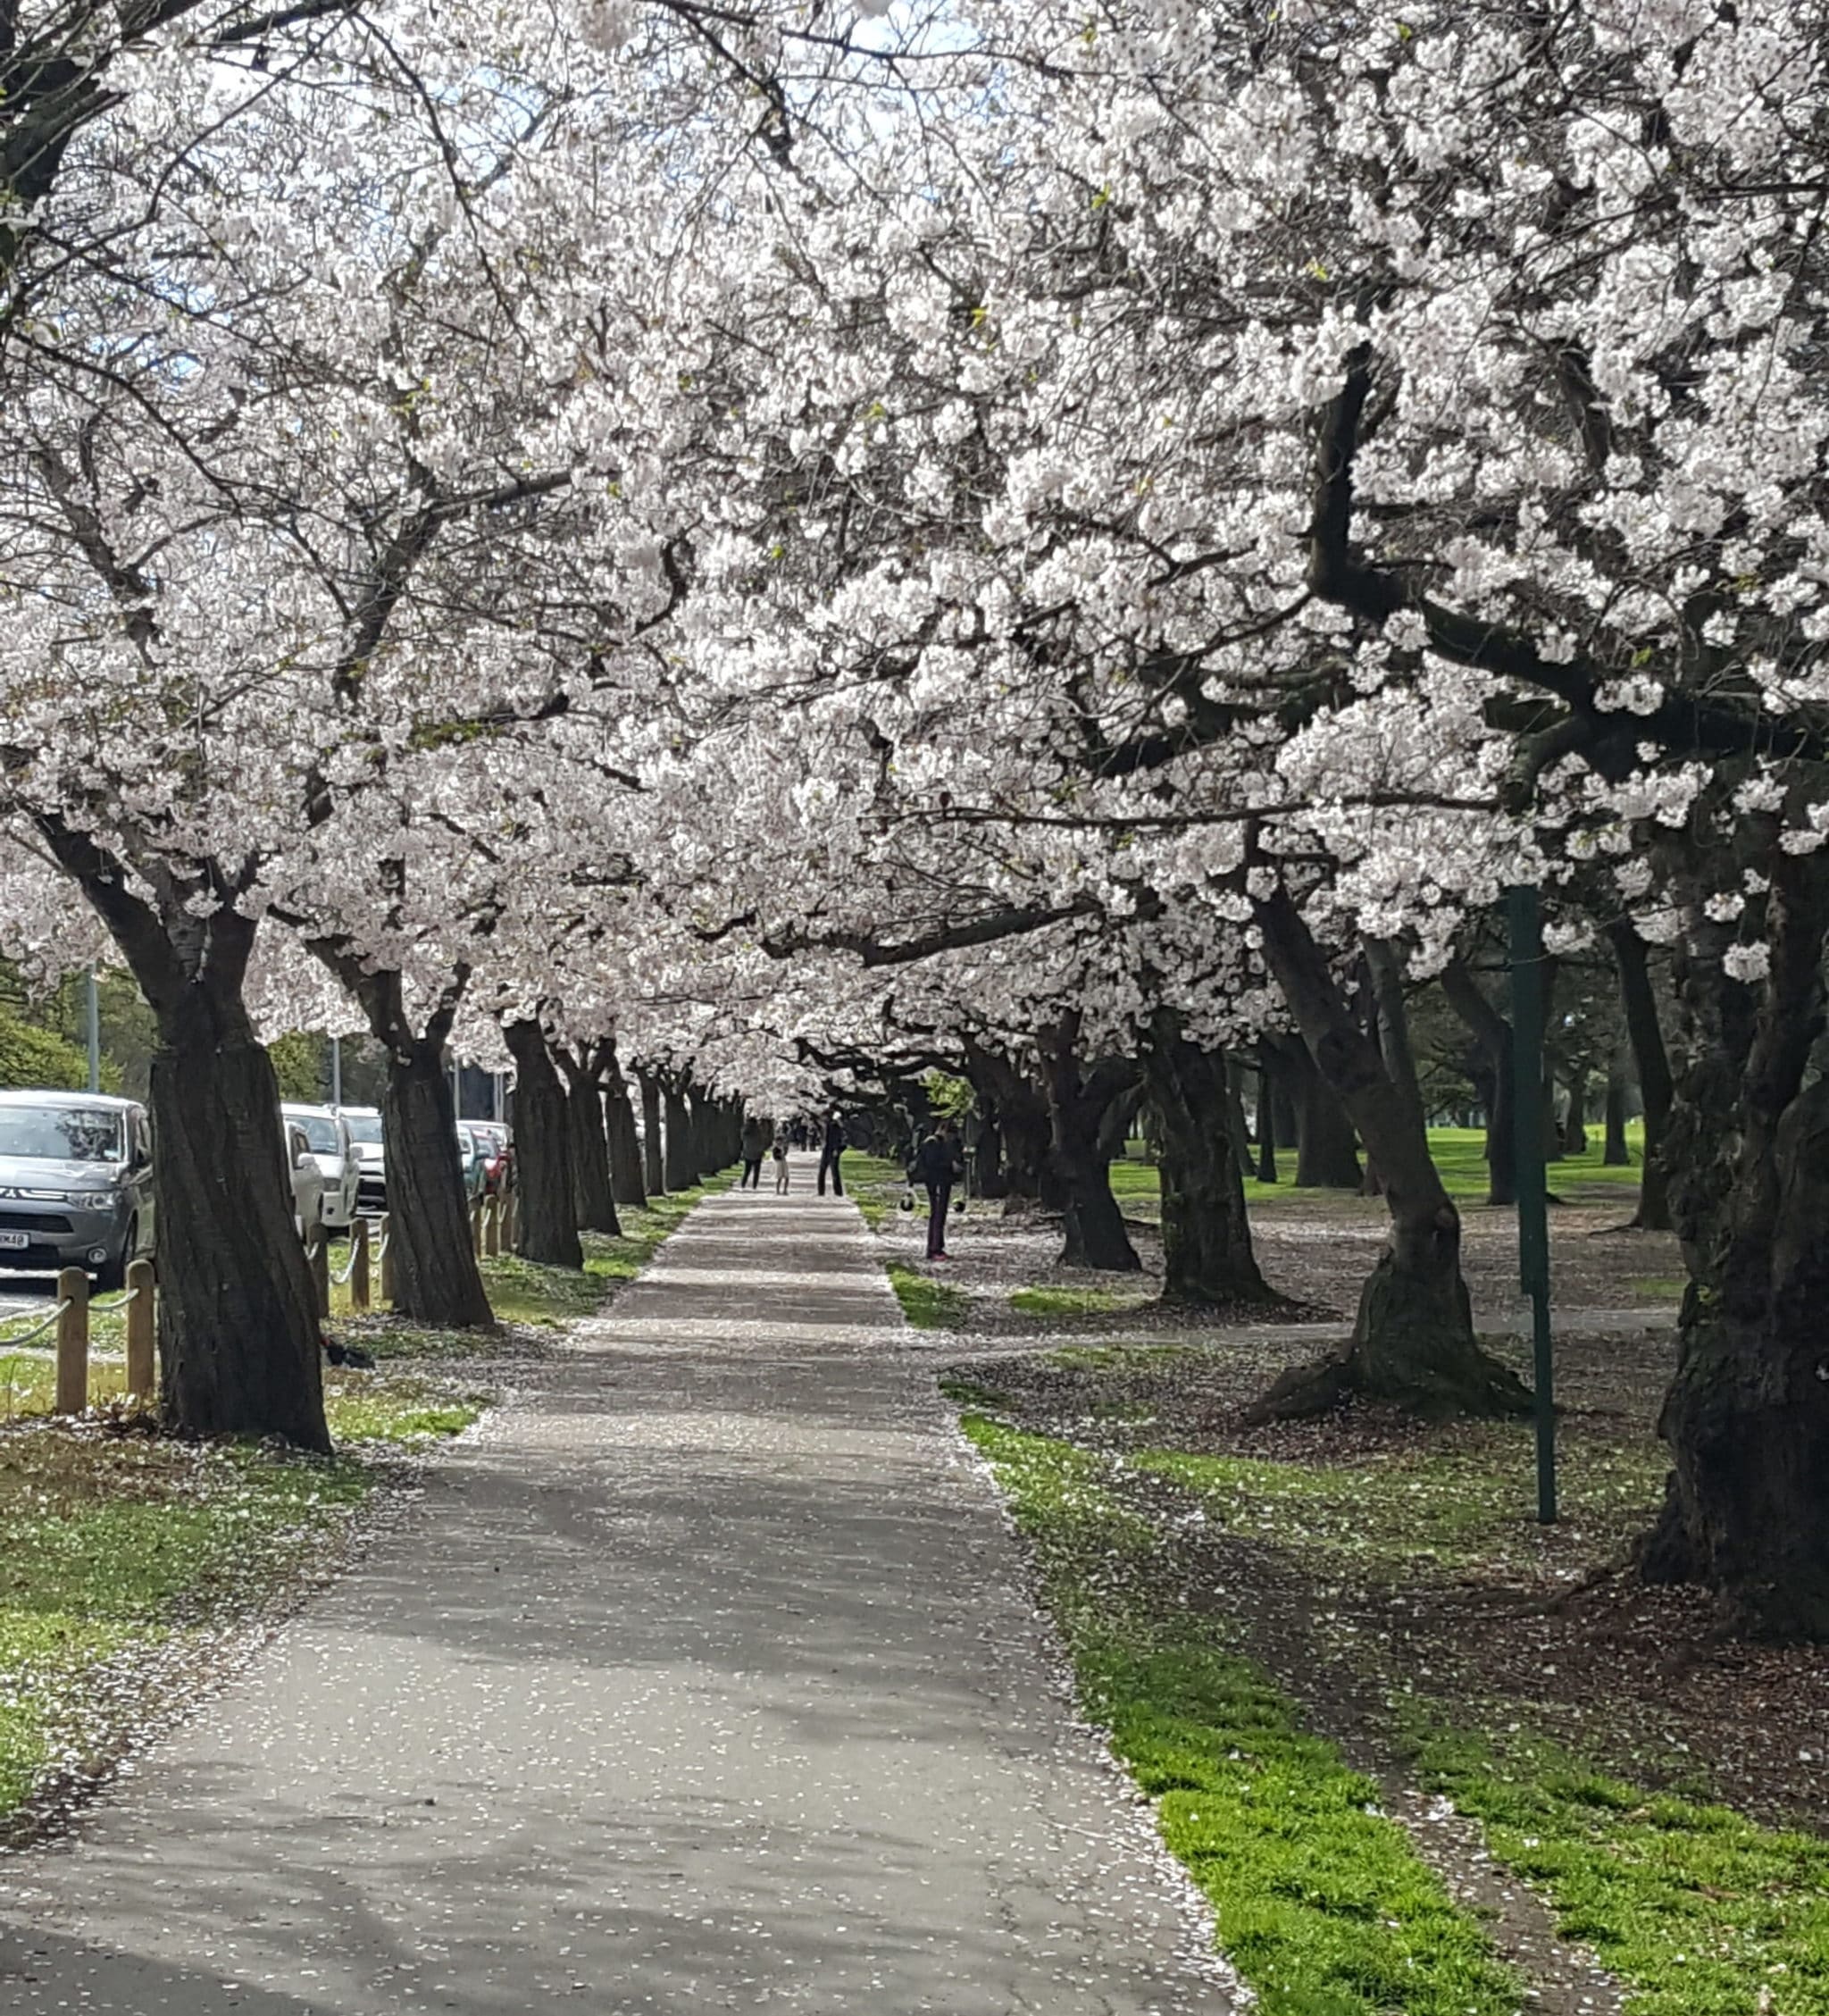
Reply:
x=703 y=1680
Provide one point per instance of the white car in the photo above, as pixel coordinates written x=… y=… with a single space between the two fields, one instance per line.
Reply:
x=307 y=1179
x=365 y=1130
x=333 y=1150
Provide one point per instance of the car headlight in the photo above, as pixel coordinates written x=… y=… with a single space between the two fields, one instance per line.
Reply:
x=82 y=1200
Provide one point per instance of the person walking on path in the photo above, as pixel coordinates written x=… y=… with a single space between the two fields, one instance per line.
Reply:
x=939 y=1163
x=755 y=1146
x=781 y=1155
x=832 y=1148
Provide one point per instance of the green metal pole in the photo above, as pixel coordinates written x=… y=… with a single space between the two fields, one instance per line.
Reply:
x=1525 y=918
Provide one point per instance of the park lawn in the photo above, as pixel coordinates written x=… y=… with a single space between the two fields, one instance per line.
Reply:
x=875 y=1184
x=1051 y=1299
x=1322 y=1904
x=927 y=1303
x=1257 y=1560
x=117 y=1546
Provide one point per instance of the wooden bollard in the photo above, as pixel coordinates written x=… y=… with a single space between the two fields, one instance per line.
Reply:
x=476 y=1225
x=73 y=1342
x=507 y=1221
x=142 y=1378
x=386 y=1265
x=319 y=1254
x=358 y=1266
x=492 y=1227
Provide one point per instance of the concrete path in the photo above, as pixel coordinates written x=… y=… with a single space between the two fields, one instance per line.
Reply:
x=704 y=1680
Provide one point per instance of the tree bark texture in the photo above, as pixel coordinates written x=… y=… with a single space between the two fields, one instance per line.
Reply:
x=1327 y=1152
x=1205 y=1235
x=240 y=1343
x=1413 y=1343
x=436 y=1277
x=681 y=1162
x=1266 y=1118
x=1747 y=1415
x=1615 y=1154
x=588 y=1138
x=1080 y=1103
x=547 y=1220
x=628 y=1184
x=653 y=1170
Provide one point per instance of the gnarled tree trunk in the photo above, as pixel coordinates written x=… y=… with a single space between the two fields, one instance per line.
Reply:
x=1327 y=1151
x=1747 y=1414
x=1206 y=1237
x=436 y=1277
x=1615 y=1154
x=547 y=1222
x=1413 y=1343
x=1493 y=1034
x=239 y=1346
x=591 y=1199
x=1079 y=1105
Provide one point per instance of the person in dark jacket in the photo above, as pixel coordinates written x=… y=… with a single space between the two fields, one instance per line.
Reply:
x=755 y=1147
x=830 y=1149
x=939 y=1162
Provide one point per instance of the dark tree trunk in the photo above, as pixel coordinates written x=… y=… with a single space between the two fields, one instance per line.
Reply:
x=547 y=1221
x=239 y=1345
x=436 y=1277
x=1266 y=1118
x=1575 y=1129
x=626 y=1181
x=988 y=1176
x=590 y=1152
x=1493 y=1034
x=1413 y=1343
x=1616 y=1155
x=1327 y=1153
x=1237 y=1135
x=1206 y=1237
x=1022 y=1117
x=1747 y=1415
x=1284 y=1127
x=681 y=1168
x=1079 y=1104
x=652 y=1151
x=1639 y=1000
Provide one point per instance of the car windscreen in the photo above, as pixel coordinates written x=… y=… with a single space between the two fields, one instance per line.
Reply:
x=61 y=1133
x=365 y=1127
x=320 y=1132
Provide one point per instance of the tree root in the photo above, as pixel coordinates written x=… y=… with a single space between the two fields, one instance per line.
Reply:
x=1479 y=1386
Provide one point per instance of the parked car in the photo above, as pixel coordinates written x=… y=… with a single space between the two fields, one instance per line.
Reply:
x=307 y=1182
x=474 y=1151
x=500 y=1162
x=365 y=1130
x=76 y=1183
x=327 y=1135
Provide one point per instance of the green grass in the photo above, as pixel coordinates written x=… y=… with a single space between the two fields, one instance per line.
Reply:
x=1117 y=1358
x=927 y=1303
x=875 y=1186
x=1664 y=1287
x=1457 y=1508
x=1700 y=1912
x=1322 y=1904
x=1072 y=1301
x=114 y=1544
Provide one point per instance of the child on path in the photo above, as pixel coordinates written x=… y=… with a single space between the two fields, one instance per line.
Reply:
x=780 y=1154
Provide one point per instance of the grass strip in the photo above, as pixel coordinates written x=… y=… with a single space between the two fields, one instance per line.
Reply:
x=927 y=1303
x=1047 y=1301
x=113 y=1543
x=1322 y=1903
x=1698 y=1910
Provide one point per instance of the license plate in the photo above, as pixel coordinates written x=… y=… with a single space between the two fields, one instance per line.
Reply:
x=14 y=1242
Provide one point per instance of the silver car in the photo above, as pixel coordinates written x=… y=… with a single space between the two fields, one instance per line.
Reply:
x=76 y=1183
x=328 y=1137
x=365 y=1130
